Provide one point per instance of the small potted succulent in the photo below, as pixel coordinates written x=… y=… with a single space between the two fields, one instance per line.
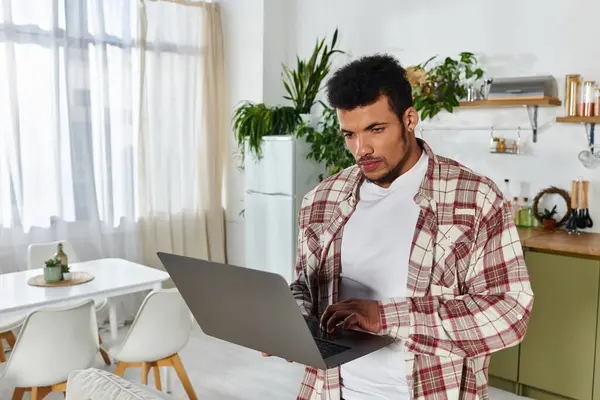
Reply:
x=548 y=219
x=66 y=273
x=53 y=271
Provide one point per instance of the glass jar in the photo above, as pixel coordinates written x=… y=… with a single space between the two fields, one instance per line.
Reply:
x=598 y=102
x=501 y=146
x=572 y=83
x=588 y=99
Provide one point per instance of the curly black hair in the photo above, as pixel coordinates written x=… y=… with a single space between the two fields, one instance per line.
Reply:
x=362 y=82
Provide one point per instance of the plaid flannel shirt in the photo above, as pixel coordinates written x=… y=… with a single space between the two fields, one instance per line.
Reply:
x=468 y=292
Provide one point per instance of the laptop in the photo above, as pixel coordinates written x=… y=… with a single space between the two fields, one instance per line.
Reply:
x=256 y=309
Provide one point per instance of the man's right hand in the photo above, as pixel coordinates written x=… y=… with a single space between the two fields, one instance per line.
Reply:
x=268 y=355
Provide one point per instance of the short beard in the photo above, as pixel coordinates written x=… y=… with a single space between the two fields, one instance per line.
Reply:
x=394 y=173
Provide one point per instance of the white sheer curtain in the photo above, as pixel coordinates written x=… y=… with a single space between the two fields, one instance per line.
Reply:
x=182 y=132
x=104 y=132
x=67 y=141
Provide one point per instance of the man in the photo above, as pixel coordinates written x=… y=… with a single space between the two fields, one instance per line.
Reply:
x=409 y=244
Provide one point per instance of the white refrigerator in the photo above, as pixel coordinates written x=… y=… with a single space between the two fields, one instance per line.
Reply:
x=275 y=186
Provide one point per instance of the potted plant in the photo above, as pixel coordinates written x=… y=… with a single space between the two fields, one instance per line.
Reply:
x=326 y=143
x=52 y=271
x=444 y=85
x=304 y=83
x=66 y=273
x=251 y=122
x=548 y=219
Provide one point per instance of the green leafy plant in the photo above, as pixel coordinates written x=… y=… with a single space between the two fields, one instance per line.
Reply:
x=548 y=214
x=327 y=143
x=52 y=263
x=548 y=219
x=304 y=83
x=251 y=122
x=444 y=85
x=65 y=269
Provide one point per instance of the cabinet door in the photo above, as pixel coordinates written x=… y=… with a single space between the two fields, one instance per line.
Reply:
x=269 y=234
x=557 y=354
x=505 y=364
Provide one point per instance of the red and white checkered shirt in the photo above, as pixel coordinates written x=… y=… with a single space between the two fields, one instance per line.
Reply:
x=468 y=292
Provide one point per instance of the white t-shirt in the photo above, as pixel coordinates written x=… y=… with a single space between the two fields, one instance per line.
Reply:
x=376 y=245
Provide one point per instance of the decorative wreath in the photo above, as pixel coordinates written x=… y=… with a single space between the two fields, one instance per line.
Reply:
x=552 y=190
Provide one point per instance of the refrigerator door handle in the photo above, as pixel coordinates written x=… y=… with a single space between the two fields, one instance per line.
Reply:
x=269 y=194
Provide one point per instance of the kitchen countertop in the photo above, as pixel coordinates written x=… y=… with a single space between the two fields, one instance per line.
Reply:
x=585 y=244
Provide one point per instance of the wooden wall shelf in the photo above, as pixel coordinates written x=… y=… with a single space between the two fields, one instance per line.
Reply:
x=531 y=103
x=579 y=120
x=513 y=102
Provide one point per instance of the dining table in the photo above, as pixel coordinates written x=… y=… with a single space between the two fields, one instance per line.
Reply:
x=112 y=277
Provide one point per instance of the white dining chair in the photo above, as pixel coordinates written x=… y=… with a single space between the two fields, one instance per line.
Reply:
x=38 y=253
x=159 y=331
x=51 y=344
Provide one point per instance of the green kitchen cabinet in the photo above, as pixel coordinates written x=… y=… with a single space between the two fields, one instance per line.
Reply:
x=499 y=383
x=541 y=395
x=505 y=364
x=557 y=354
x=597 y=352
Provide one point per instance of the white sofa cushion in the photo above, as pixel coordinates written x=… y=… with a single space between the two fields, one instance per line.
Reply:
x=97 y=384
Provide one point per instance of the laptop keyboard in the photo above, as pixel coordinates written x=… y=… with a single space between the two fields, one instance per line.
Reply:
x=329 y=349
x=326 y=347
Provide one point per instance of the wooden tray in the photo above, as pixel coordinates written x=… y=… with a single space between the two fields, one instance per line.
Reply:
x=77 y=278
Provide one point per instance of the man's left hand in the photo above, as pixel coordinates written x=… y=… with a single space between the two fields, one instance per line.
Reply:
x=352 y=313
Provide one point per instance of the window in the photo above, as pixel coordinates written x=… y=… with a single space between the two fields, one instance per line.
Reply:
x=70 y=90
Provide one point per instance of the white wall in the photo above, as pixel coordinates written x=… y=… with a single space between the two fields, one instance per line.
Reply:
x=279 y=24
x=243 y=31
x=257 y=35
x=511 y=38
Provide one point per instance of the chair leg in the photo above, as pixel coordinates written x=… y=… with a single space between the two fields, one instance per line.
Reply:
x=2 y=353
x=157 y=377
x=145 y=371
x=38 y=393
x=18 y=394
x=103 y=353
x=11 y=339
x=183 y=377
x=120 y=370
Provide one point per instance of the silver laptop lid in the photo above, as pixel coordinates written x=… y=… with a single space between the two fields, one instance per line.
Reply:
x=251 y=308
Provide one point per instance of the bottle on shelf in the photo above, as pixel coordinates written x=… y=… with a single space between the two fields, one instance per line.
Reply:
x=525 y=214
x=516 y=203
x=598 y=101
x=588 y=99
x=572 y=83
x=506 y=193
x=61 y=255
